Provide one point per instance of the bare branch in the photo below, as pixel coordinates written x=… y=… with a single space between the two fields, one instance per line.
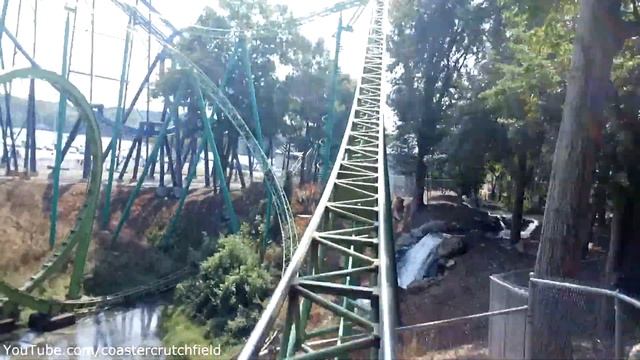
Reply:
x=630 y=29
x=636 y=13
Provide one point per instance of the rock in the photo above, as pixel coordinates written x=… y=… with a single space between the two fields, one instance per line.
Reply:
x=466 y=218
x=432 y=227
x=635 y=352
x=431 y=270
x=451 y=246
x=419 y=286
x=450 y=263
x=474 y=236
x=416 y=233
x=405 y=240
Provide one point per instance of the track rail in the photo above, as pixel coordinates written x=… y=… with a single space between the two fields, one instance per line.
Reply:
x=86 y=305
x=215 y=95
x=351 y=224
x=80 y=235
x=77 y=243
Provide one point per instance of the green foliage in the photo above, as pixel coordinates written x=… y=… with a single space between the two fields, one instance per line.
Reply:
x=477 y=140
x=432 y=44
x=179 y=330
x=292 y=104
x=229 y=289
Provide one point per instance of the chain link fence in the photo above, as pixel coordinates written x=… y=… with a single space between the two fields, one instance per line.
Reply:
x=497 y=333
x=507 y=334
x=595 y=323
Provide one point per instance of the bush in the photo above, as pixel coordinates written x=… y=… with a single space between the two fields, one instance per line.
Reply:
x=179 y=331
x=229 y=289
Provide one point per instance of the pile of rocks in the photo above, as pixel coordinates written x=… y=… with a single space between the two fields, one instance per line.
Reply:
x=453 y=244
x=435 y=226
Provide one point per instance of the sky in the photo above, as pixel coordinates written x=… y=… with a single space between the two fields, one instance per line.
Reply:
x=110 y=23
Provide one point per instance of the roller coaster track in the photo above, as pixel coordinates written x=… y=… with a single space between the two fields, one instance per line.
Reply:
x=80 y=236
x=213 y=94
x=352 y=223
x=87 y=305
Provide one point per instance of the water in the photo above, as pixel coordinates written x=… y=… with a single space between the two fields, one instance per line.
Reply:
x=73 y=160
x=125 y=327
x=524 y=234
x=417 y=260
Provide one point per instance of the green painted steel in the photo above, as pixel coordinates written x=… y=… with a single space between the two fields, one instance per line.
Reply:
x=338 y=7
x=53 y=307
x=213 y=94
x=327 y=146
x=246 y=59
x=170 y=231
x=80 y=235
x=60 y=120
x=115 y=137
x=5 y=149
x=351 y=222
x=234 y=224
x=153 y=157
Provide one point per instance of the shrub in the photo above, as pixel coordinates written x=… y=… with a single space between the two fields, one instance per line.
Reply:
x=229 y=289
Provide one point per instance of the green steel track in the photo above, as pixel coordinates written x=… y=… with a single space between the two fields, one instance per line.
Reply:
x=80 y=236
x=87 y=305
x=344 y=263
x=215 y=95
x=77 y=243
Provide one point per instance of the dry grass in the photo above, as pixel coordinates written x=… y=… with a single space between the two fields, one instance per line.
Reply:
x=415 y=350
x=24 y=224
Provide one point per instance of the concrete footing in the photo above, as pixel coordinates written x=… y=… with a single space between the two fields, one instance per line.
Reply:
x=162 y=192
x=44 y=322
x=7 y=325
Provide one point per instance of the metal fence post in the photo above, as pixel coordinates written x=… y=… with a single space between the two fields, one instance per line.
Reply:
x=618 y=329
x=529 y=321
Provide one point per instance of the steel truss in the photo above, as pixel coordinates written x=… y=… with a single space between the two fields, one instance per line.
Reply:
x=351 y=226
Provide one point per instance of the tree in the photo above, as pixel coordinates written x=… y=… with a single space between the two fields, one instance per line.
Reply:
x=526 y=72
x=429 y=47
x=478 y=139
x=567 y=215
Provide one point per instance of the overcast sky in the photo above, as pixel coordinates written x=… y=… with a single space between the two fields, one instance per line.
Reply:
x=110 y=33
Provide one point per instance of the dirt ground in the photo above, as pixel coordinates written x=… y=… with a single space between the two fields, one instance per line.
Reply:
x=24 y=224
x=463 y=290
x=24 y=229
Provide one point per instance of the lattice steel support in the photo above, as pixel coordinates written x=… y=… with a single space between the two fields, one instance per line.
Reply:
x=344 y=265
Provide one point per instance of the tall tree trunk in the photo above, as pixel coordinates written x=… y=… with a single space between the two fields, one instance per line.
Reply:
x=238 y=167
x=494 y=183
x=284 y=157
x=270 y=149
x=231 y=148
x=600 y=205
x=207 y=175
x=288 y=157
x=250 y=166
x=421 y=173
x=316 y=165
x=566 y=218
x=612 y=265
x=303 y=161
x=520 y=183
